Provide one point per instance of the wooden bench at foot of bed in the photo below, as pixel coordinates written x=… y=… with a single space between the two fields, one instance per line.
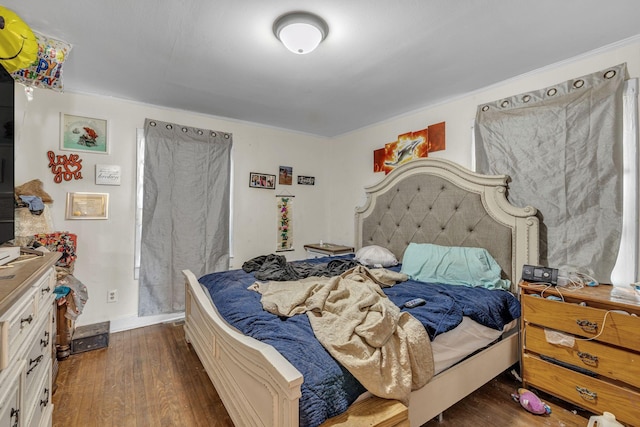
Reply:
x=372 y=412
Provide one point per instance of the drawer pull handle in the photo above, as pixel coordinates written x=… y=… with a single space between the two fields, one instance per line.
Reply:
x=45 y=290
x=587 y=326
x=591 y=396
x=45 y=402
x=45 y=341
x=15 y=413
x=588 y=359
x=35 y=363
x=26 y=320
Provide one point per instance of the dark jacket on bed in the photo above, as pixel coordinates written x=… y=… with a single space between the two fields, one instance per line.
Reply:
x=276 y=267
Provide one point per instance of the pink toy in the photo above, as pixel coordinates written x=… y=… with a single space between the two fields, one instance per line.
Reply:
x=531 y=402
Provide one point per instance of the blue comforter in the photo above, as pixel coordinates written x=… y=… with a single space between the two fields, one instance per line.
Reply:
x=328 y=389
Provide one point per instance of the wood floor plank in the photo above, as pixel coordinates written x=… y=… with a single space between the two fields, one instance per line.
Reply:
x=185 y=381
x=150 y=377
x=127 y=380
x=111 y=412
x=167 y=387
x=144 y=382
x=64 y=394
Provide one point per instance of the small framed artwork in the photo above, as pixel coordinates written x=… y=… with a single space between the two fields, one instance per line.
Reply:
x=87 y=206
x=107 y=175
x=78 y=133
x=262 y=180
x=286 y=175
x=306 y=180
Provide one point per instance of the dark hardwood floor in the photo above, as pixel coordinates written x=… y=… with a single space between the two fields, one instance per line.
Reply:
x=146 y=377
x=492 y=405
x=150 y=377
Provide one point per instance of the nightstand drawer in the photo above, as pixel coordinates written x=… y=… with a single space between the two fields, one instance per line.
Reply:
x=590 y=393
x=619 y=329
x=612 y=362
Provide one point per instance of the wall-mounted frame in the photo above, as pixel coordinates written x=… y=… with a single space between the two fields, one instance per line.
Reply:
x=285 y=175
x=262 y=180
x=107 y=175
x=79 y=133
x=306 y=180
x=87 y=206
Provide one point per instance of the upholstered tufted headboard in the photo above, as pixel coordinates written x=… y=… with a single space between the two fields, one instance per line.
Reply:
x=437 y=201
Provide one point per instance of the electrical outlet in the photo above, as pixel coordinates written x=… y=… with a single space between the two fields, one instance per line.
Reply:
x=112 y=295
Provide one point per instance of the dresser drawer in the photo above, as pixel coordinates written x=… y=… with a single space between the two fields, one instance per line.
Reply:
x=39 y=354
x=602 y=359
x=46 y=417
x=619 y=329
x=45 y=286
x=590 y=393
x=16 y=325
x=10 y=411
x=40 y=402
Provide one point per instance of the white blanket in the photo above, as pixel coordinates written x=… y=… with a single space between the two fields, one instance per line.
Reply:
x=386 y=349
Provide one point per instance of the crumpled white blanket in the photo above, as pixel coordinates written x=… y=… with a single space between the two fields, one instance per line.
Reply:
x=386 y=349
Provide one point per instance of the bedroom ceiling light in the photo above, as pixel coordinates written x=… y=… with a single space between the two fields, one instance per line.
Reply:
x=300 y=32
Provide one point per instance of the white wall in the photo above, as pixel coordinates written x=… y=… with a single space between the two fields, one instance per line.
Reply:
x=342 y=167
x=106 y=247
x=353 y=168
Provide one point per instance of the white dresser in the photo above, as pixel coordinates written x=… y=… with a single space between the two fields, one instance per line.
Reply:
x=26 y=341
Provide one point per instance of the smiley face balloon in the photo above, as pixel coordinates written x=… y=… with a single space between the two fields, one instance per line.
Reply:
x=18 y=45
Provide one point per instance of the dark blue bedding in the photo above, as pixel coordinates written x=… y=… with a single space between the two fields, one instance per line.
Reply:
x=328 y=389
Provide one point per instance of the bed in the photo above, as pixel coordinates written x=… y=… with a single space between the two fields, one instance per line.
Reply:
x=424 y=201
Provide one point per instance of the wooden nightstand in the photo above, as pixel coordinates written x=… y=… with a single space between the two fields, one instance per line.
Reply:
x=316 y=250
x=601 y=370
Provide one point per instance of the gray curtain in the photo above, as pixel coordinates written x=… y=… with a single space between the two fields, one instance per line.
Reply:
x=562 y=148
x=185 y=212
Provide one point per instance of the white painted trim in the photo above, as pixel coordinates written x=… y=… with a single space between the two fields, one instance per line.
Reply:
x=134 y=322
x=625 y=270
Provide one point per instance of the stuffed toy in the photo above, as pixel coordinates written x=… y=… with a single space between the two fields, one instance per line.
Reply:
x=531 y=402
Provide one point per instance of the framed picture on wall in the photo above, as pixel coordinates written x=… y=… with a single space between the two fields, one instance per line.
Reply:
x=107 y=175
x=306 y=180
x=87 y=206
x=79 y=133
x=262 y=180
x=286 y=175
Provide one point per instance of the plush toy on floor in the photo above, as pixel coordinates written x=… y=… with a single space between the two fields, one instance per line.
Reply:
x=531 y=402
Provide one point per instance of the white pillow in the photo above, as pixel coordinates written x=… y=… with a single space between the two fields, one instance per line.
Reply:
x=376 y=256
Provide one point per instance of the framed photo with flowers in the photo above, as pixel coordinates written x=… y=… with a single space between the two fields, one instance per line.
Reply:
x=80 y=133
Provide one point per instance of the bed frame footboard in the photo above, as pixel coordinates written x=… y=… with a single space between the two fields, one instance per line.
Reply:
x=257 y=386
x=449 y=387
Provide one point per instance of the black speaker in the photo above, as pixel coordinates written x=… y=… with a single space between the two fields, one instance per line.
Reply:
x=532 y=273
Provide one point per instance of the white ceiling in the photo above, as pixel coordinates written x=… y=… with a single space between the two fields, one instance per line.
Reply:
x=381 y=58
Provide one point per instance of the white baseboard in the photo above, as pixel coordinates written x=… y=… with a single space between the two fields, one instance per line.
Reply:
x=133 y=322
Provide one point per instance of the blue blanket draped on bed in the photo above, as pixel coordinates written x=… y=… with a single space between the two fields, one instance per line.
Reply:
x=328 y=389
